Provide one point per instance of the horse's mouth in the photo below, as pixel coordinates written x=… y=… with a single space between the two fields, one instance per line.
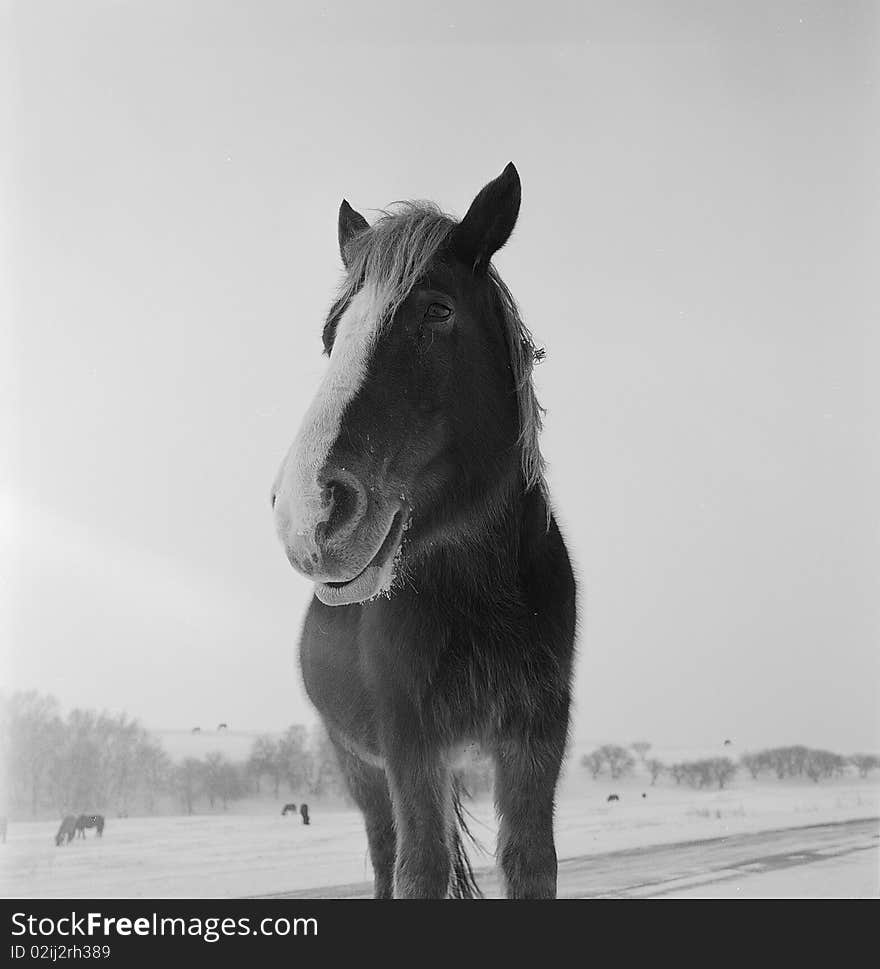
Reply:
x=375 y=578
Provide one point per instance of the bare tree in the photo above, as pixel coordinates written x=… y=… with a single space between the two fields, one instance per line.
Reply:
x=656 y=768
x=798 y=760
x=84 y=762
x=153 y=768
x=33 y=732
x=823 y=763
x=781 y=761
x=188 y=779
x=754 y=763
x=232 y=785
x=252 y=775
x=864 y=763
x=79 y=775
x=294 y=757
x=222 y=779
x=123 y=739
x=594 y=762
x=265 y=761
x=213 y=767
x=703 y=773
x=698 y=773
x=722 y=770
x=620 y=761
x=641 y=747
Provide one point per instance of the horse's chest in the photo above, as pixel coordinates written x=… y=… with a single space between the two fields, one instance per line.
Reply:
x=475 y=692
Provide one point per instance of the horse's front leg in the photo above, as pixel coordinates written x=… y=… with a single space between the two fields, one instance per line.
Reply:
x=369 y=788
x=421 y=793
x=525 y=785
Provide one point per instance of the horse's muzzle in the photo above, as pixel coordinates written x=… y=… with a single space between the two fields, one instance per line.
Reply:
x=340 y=536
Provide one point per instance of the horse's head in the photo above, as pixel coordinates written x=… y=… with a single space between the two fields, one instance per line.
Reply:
x=426 y=413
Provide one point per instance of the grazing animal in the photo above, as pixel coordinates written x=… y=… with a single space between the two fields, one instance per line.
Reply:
x=613 y=797
x=414 y=498
x=66 y=831
x=221 y=726
x=95 y=821
x=304 y=813
x=727 y=743
x=288 y=809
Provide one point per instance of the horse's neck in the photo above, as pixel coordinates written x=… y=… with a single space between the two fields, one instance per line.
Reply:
x=487 y=562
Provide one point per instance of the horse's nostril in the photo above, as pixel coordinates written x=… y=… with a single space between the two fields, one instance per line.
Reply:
x=344 y=504
x=346 y=500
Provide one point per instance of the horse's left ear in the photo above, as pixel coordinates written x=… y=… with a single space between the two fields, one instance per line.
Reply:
x=489 y=220
x=351 y=223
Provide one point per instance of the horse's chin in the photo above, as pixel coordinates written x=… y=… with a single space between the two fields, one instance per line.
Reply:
x=374 y=580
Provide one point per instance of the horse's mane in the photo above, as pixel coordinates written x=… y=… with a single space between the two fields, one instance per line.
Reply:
x=394 y=253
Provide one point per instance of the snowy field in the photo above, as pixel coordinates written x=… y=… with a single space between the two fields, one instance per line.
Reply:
x=853 y=876
x=257 y=853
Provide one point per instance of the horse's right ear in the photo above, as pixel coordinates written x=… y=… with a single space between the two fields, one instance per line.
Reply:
x=351 y=224
x=489 y=220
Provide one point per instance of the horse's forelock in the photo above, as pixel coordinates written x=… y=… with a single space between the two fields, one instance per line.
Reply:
x=394 y=253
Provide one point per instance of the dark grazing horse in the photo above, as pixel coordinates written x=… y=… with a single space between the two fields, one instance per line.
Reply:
x=66 y=831
x=288 y=809
x=90 y=821
x=413 y=497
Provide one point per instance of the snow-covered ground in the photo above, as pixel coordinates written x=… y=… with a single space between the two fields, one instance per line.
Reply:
x=254 y=853
x=852 y=876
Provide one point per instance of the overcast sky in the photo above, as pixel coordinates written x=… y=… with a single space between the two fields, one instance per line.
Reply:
x=697 y=251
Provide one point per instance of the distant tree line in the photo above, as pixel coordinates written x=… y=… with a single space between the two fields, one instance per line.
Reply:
x=800 y=761
x=618 y=760
x=89 y=761
x=704 y=772
x=784 y=762
x=81 y=762
x=304 y=762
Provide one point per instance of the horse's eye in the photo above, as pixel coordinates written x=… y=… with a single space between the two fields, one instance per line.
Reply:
x=437 y=312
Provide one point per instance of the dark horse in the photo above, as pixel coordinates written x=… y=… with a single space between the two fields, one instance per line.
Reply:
x=413 y=497
x=288 y=809
x=90 y=821
x=67 y=830
x=304 y=813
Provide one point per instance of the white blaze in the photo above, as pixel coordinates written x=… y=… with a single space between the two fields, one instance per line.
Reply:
x=299 y=496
